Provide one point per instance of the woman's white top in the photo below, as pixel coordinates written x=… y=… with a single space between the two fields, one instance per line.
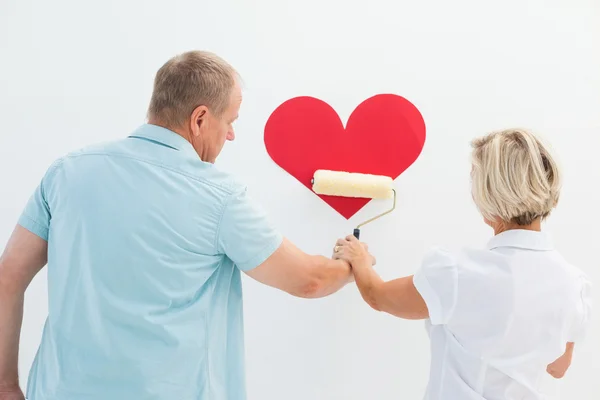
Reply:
x=499 y=316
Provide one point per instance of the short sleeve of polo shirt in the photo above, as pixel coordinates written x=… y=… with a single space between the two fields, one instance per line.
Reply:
x=246 y=235
x=37 y=213
x=437 y=282
x=583 y=312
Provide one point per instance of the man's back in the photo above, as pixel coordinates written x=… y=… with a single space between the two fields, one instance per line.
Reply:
x=143 y=303
x=144 y=240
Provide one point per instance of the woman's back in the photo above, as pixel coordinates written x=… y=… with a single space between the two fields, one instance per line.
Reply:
x=499 y=316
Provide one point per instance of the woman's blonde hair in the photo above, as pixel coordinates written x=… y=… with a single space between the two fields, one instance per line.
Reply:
x=515 y=177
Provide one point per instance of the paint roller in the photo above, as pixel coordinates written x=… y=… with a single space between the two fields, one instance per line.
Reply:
x=347 y=184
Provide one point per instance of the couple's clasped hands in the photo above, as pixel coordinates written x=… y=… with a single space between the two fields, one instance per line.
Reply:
x=354 y=252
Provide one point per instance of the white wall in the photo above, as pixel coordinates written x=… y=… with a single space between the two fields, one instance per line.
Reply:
x=74 y=73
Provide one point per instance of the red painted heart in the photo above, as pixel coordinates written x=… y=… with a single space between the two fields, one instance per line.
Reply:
x=384 y=136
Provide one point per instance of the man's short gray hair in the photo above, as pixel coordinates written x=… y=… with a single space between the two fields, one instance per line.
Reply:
x=187 y=81
x=515 y=177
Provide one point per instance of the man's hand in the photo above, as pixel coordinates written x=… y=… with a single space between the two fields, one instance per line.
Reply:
x=11 y=394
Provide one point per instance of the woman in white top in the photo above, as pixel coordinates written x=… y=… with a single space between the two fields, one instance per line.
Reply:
x=500 y=317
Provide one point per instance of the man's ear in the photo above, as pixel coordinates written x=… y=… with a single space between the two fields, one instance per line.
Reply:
x=198 y=120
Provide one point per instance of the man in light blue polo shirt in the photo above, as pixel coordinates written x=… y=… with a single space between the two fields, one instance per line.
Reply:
x=145 y=239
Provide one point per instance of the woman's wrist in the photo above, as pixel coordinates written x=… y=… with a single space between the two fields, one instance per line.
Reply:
x=361 y=263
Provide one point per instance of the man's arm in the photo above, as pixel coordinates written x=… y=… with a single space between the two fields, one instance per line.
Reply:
x=24 y=256
x=248 y=238
x=300 y=274
x=559 y=367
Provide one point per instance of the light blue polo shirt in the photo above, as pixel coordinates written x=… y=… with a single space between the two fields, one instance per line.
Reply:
x=145 y=247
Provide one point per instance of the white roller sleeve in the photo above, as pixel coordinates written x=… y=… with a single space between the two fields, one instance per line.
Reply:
x=346 y=184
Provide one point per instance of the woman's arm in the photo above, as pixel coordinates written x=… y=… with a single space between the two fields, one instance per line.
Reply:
x=398 y=297
x=559 y=367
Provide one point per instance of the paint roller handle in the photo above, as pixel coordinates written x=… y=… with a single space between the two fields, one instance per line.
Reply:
x=357 y=233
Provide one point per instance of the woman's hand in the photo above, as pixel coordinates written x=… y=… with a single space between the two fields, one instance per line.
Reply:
x=559 y=367
x=353 y=251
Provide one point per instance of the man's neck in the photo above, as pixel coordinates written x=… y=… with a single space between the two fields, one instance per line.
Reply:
x=184 y=133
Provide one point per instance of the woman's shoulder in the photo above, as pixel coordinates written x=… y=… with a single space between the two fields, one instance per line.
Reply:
x=440 y=255
x=465 y=259
x=451 y=256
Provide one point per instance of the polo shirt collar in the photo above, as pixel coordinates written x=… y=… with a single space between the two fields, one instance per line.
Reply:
x=165 y=137
x=523 y=239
